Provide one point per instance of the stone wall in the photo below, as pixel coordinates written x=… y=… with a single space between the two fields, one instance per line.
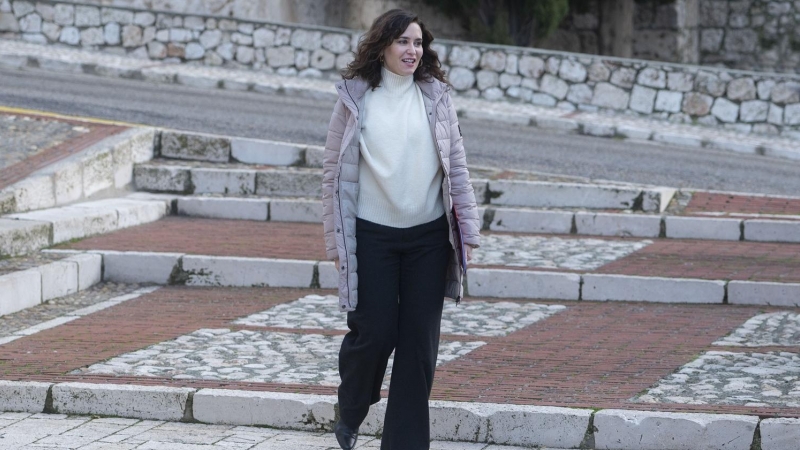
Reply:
x=750 y=102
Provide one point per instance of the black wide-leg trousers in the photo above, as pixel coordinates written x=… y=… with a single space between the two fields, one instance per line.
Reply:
x=401 y=287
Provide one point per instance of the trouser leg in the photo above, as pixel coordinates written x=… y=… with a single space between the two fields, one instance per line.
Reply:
x=422 y=287
x=367 y=346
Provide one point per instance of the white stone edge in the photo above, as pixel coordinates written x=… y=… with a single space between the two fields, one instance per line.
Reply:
x=452 y=421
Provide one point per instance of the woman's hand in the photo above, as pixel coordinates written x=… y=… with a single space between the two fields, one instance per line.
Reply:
x=469 y=253
x=336 y=263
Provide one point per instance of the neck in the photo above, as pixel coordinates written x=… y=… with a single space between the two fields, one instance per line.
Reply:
x=393 y=82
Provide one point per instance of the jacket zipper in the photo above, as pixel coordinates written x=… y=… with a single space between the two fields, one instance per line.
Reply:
x=341 y=219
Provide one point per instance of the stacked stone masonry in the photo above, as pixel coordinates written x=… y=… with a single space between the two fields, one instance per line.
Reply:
x=746 y=102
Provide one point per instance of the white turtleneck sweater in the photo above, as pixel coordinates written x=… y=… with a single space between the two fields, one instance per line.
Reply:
x=400 y=175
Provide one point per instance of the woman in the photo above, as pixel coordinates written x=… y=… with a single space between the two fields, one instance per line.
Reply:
x=394 y=173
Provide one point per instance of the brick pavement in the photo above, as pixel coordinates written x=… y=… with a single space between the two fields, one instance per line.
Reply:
x=584 y=356
x=53 y=146
x=725 y=260
x=703 y=202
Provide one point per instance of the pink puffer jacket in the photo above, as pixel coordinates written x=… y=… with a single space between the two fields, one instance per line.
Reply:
x=340 y=182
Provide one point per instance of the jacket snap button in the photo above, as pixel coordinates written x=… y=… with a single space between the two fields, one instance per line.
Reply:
x=338 y=230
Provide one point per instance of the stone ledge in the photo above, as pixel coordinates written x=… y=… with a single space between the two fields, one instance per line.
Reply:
x=139 y=402
x=23 y=396
x=247 y=272
x=780 y=434
x=703 y=228
x=601 y=287
x=523 y=284
x=763 y=293
x=772 y=230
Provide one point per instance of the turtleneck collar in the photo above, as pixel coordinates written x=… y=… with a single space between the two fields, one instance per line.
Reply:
x=395 y=84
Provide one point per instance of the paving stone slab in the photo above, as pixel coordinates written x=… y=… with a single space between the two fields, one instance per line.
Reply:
x=234 y=182
x=289 y=183
x=139 y=267
x=703 y=228
x=272 y=409
x=20 y=237
x=523 y=284
x=193 y=146
x=328 y=275
x=763 y=293
x=224 y=208
x=643 y=430
x=138 y=402
x=602 y=287
x=271 y=153
x=59 y=279
x=772 y=230
x=527 y=221
x=130 y=211
x=314 y=156
x=73 y=222
x=23 y=396
x=174 y=179
x=562 y=195
x=20 y=290
x=233 y=271
x=532 y=426
x=780 y=433
x=34 y=193
x=607 y=224
x=295 y=210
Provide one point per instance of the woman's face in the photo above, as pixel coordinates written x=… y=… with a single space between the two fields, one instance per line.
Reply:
x=402 y=57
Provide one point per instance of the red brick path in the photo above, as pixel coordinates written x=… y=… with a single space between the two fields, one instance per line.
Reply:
x=742 y=204
x=665 y=257
x=585 y=356
x=22 y=169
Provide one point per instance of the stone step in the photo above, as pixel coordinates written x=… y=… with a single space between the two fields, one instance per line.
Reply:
x=24 y=233
x=239 y=181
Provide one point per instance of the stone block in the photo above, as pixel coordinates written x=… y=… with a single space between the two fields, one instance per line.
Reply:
x=463 y=56
x=657 y=199
x=135 y=402
x=20 y=237
x=233 y=182
x=680 y=81
x=487 y=79
x=196 y=147
x=139 y=267
x=271 y=409
x=224 y=208
x=528 y=221
x=580 y=94
x=786 y=93
x=791 y=114
x=59 y=279
x=554 y=86
x=287 y=183
x=253 y=151
x=72 y=222
x=23 y=396
x=753 y=111
x=314 y=155
x=643 y=99
x=540 y=194
x=697 y=104
x=98 y=171
x=742 y=89
x=295 y=210
x=328 y=275
x=652 y=77
x=772 y=230
x=132 y=147
x=543 y=100
x=538 y=426
x=67 y=181
x=34 y=193
x=602 y=287
x=668 y=101
x=531 y=66
x=609 y=96
x=247 y=272
x=572 y=71
x=90 y=269
x=479 y=187
x=459 y=421
x=176 y=179
x=645 y=430
x=703 y=228
x=632 y=132
x=557 y=123
x=461 y=78
x=781 y=433
x=763 y=293
x=20 y=290
x=523 y=284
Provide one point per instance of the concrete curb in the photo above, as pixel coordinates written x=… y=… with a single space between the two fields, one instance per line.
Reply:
x=521 y=425
x=106 y=166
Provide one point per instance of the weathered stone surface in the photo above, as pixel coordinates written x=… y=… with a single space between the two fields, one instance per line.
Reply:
x=32 y=23
x=244 y=54
x=247 y=272
x=680 y=81
x=652 y=77
x=23 y=396
x=273 y=409
x=714 y=13
x=697 y=104
x=742 y=89
x=196 y=147
x=538 y=194
x=725 y=110
x=139 y=267
x=744 y=40
x=552 y=65
x=140 y=402
x=90 y=269
x=599 y=72
x=306 y=39
x=786 y=92
x=762 y=293
x=131 y=36
x=610 y=96
x=87 y=16
x=531 y=66
x=523 y=284
x=493 y=60
x=64 y=14
x=543 y=100
x=461 y=78
x=8 y=22
x=780 y=433
x=708 y=83
x=608 y=224
x=554 y=86
x=295 y=210
x=123 y=17
x=791 y=114
x=487 y=79
x=765 y=88
x=463 y=56
x=572 y=71
x=210 y=38
x=644 y=430
x=233 y=182
x=580 y=94
x=59 y=279
x=602 y=287
x=280 y=56
x=20 y=237
x=753 y=111
x=528 y=221
x=176 y=179
x=642 y=99
x=508 y=80
x=711 y=39
x=289 y=183
x=765 y=230
x=224 y=208
x=668 y=101
x=334 y=42
x=20 y=290
x=703 y=228
x=70 y=35
x=22 y=8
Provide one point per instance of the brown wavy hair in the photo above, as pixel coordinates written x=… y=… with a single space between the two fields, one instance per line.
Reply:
x=384 y=30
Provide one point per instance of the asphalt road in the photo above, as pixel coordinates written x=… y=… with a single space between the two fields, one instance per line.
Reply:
x=285 y=118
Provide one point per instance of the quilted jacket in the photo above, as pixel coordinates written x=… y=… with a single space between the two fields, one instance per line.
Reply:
x=340 y=182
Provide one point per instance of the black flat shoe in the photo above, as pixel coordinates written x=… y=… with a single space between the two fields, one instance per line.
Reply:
x=346 y=437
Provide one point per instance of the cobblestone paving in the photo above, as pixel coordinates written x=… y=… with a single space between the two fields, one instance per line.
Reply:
x=24 y=431
x=24 y=136
x=778 y=329
x=551 y=252
x=470 y=318
x=728 y=378
x=9 y=265
x=53 y=309
x=250 y=356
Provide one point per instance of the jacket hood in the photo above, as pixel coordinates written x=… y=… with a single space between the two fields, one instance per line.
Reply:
x=351 y=92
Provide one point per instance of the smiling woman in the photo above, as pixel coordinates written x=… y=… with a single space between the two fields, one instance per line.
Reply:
x=395 y=189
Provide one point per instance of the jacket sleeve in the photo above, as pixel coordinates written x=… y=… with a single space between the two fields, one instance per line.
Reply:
x=460 y=187
x=330 y=160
